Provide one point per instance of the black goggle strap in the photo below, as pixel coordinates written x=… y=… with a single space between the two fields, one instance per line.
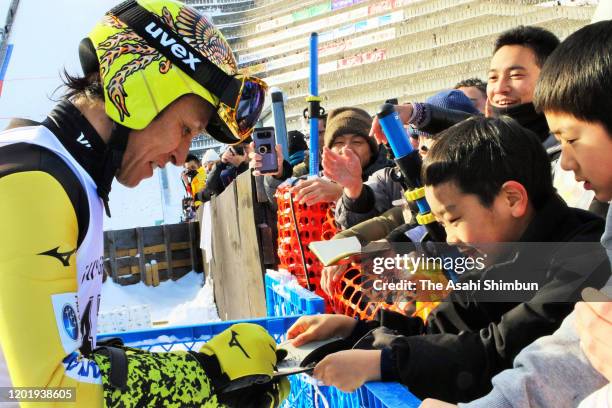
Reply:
x=113 y=156
x=158 y=35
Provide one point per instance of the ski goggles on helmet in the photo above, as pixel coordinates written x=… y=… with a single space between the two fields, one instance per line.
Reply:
x=238 y=114
x=241 y=98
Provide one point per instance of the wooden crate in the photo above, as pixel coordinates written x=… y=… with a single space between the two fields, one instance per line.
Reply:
x=174 y=247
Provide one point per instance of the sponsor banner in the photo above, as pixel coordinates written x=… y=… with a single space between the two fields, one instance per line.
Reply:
x=396 y=17
x=362 y=58
x=380 y=7
x=332 y=47
x=361 y=12
x=373 y=56
x=336 y=34
x=254 y=56
x=344 y=31
x=328 y=67
x=275 y=23
x=329 y=48
x=403 y=3
x=314 y=26
x=287 y=61
x=312 y=11
x=288 y=76
x=338 y=4
x=368 y=39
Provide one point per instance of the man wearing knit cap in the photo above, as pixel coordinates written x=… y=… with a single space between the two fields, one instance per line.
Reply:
x=346 y=139
x=350 y=127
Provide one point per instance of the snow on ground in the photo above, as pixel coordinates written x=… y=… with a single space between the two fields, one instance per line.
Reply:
x=181 y=302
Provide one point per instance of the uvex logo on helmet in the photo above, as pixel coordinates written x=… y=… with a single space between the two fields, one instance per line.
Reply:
x=177 y=49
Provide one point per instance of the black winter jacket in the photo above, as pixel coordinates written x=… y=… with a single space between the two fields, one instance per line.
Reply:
x=466 y=340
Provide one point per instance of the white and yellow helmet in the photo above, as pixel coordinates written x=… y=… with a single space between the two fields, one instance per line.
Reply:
x=151 y=52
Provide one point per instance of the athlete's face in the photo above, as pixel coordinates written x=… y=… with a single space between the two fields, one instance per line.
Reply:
x=165 y=140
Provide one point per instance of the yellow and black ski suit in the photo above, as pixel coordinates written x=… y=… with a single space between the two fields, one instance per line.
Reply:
x=51 y=263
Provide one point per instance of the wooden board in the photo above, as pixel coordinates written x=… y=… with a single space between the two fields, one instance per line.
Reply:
x=236 y=266
x=174 y=247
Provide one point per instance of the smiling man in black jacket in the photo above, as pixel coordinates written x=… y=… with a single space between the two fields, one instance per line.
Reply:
x=488 y=182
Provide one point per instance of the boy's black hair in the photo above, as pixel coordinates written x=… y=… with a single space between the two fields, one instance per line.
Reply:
x=542 y=42
x=473 y=82
x=481 y=154
x=577 y=78
x=192 y=157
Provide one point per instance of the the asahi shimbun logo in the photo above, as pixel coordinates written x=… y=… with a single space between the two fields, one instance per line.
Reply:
x=167 y=40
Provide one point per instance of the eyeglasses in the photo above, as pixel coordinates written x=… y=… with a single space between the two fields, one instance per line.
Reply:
x=234 y=123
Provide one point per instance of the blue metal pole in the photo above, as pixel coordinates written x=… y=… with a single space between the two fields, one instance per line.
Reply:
x=314 y=97
x=280 y=123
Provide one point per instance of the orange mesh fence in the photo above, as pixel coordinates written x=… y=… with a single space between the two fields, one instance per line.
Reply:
x=314 y=223
x=354 y=296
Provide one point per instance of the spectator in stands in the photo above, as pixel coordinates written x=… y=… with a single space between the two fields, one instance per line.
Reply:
x=297 y=147
x=193 y=175
x=476 y=90
x=487 y=180
x=234 y=161
x=414 y=136
x=575 y=362
x=210 y=159
x=518 y=56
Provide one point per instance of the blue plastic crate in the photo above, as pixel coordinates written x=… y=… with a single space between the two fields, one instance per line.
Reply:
x=191 y=337
x=283 y=299
x=305 y=393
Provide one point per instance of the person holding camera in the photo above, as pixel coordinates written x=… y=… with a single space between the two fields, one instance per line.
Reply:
x=234 y=161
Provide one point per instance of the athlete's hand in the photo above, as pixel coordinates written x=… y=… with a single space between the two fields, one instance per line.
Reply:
x=244 y=350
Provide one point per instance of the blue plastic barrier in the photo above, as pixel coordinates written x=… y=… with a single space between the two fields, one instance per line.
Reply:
x=284 y=299
x=305 y=393
x=290 y=300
